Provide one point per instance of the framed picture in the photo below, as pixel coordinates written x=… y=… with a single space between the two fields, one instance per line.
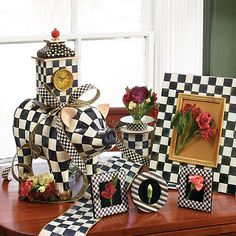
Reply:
x=224 y=178
x=195 y=188
x=193 y=113
x=149 y=191
x=109 y=193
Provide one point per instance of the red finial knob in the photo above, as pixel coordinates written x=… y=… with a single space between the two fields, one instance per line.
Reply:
x=55 y=34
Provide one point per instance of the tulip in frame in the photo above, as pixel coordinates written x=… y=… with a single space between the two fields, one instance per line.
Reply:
x=202 y=149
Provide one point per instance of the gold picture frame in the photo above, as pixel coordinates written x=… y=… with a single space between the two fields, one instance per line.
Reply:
x=199 y=151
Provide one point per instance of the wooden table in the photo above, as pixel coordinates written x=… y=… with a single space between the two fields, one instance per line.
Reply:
x=23 y=218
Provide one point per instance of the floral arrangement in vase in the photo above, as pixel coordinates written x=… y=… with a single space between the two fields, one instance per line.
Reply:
x=40 y=188
x=140 y=101
x=191 y=122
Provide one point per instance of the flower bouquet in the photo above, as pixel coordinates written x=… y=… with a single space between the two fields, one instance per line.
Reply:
x=39 y=188
x=140 y=101
x=191 y=122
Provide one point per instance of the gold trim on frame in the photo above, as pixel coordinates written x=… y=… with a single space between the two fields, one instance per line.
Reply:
x=199 y=151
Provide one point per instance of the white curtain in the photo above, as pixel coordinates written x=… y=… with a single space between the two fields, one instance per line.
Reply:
x=179 y=27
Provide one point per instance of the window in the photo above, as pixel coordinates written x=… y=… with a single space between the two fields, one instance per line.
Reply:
x=114 y=51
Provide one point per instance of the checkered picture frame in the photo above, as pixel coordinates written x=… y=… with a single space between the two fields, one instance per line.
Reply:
x=97 y=204
x=224 y=178
x=46 y=68
x=206 y=204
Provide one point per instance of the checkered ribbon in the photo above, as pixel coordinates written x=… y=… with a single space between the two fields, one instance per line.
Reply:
x=5 y=173
x=69 y=147
x=78 y=220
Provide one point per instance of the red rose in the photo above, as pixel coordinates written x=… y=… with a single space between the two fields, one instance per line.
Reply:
x=154 y=96
x=126 y=97
x=110 y=190
x=139 y=94
x=203 y=120
x=154 y=112
x=25 y=187
x=207 y=133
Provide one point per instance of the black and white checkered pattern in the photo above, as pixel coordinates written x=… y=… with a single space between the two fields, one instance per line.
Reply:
x=131 y=155
x=224 y=179
x=130 y=168
x=206 y=204
x=136 y=195
x=68 y=146
x=139 y=142
x=74 y=222
x=96 y=179
x=6 y=172
x=46 y=68
x=136 y=126
x=83 y=133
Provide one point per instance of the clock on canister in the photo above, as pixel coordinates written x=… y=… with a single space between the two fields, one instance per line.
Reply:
x=57 y=66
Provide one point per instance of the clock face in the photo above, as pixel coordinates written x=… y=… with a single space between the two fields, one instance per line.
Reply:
x=62 y=79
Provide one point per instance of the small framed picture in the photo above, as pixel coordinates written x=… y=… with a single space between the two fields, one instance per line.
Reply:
x=109 y=193
x=195 y=188
x=149 y=192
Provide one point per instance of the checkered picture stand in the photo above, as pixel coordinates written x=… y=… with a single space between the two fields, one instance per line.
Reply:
x=186 y=171
x=224 y=179
x=99 y=211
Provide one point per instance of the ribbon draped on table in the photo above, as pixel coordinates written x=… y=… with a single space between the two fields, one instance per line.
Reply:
x=77 y=220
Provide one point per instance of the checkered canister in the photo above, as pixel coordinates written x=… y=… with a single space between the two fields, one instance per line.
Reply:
x=139 y=141
x=46 y=68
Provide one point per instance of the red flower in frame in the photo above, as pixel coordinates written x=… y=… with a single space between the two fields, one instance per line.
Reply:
x=204 y=120
x=110 y=190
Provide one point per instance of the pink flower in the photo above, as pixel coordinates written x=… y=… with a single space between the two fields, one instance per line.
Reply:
x=139 y=94
x=207 y=133
x=110 y=190
x=203 y=120
x=197 y=181
x=25 y=188
x=194 y=108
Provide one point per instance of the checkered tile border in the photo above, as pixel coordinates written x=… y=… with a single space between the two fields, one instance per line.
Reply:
x=110 y=210
x=224 y=179
x=45 y=69
x=185 y=171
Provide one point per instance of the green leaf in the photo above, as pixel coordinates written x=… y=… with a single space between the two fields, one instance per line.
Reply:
x=175 y=119
x=114 y=180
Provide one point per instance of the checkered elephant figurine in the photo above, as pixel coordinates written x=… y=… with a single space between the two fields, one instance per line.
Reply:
x=83 y=129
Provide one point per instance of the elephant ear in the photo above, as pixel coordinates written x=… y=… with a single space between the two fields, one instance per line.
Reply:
x=104 y=109
x=67 y=114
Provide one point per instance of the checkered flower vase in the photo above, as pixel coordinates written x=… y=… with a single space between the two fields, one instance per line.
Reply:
x=137 y=137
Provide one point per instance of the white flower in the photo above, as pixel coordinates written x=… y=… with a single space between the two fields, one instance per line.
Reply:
x=41 y=189
x=132 y=105
x=148 y=100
